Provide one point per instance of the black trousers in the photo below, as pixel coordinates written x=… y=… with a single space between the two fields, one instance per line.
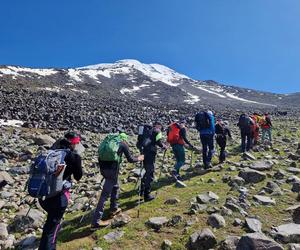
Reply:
x=149 y=166
x=221 y=140
x=55 y=207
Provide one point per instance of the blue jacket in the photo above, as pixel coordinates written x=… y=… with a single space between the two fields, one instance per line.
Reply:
x=211 y=130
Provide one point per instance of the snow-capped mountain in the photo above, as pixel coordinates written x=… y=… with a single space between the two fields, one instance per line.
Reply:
x=152 y=83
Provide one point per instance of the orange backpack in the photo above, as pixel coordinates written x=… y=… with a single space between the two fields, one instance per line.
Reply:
x=173 y=135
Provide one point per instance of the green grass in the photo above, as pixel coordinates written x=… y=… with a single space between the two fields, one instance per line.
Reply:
x=139 y=236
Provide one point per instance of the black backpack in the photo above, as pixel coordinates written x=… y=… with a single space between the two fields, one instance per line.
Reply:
x=244 y=122
x=145 y=134
x=202 y=120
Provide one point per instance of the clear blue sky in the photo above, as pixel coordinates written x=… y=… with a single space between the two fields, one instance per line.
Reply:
x=249 y=43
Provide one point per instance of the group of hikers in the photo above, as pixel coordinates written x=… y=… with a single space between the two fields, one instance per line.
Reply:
x=50 y=179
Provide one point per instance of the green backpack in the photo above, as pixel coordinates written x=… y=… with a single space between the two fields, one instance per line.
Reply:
x=108 y=148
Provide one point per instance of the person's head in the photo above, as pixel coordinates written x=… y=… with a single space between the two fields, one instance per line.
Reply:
x=74 y=140
x=182 y=123
x=157 y=125
x=123 y=136
x=220 y=121
x=210 y=112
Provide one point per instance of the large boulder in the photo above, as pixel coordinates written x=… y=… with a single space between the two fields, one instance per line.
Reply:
x=216 y=221
x=157 y=222
x=252 y=176
x=287 y=233
x=34 y=219
x=230 y=243
x=253 y=225
x=42 y=140
x=257 y=241
x=202 y=240
x=261 y=165
x=264 y=200
x=5 y=179
x=209 y=197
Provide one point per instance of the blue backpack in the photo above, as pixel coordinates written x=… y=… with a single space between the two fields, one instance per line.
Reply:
x=46 y=175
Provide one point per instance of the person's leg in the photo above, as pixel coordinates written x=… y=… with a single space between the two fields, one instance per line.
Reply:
x=204 y=148
x=115 y=193
x=222 y=145
x=149 y=175
x=248 y=136
x=243 y=141
x=270 y=134
x=263 y=135
x=55 y=208
x=109 y=183
x=211 y=147
x=177 y=158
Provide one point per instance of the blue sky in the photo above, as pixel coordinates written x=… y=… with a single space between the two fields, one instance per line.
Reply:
x=248 y=43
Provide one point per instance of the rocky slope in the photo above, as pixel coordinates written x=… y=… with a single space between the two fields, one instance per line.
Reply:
x=101 y=97
x=250 y=202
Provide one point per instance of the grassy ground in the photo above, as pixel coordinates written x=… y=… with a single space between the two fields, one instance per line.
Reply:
x=77 y=235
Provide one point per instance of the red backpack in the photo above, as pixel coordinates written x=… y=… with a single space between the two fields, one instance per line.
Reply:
x=173 y=135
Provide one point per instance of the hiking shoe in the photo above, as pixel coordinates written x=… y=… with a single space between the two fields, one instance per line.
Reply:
x=175 y=174
x=115 y=211
x=148 y=197
x=99 y=225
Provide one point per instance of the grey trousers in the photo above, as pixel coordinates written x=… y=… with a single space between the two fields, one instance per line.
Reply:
x=110 y=189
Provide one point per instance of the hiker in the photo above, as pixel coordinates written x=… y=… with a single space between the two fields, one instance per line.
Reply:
x=222 y=131
x=110 y=153
x=255 y=129
x=177 y=138
x=55 y=206
x=149 y=138
x=205 y=124
x=266 y=127
x=244 y=124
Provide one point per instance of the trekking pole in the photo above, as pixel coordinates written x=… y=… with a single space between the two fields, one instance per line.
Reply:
x=89 y=204
x=139 y=191
x=160 y=173
x=191 y=162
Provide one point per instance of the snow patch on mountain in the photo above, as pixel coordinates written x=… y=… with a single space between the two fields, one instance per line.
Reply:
x=19 y=71
x=156 y=72
x=192 y=99
x=133 y=89
x=232 y=96
x=205 y=88
x=11 y=123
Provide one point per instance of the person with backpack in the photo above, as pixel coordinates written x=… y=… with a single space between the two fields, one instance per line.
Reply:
x=222 y=131
x=266 y=127
x=110 y=153
x=255 y=129
x=149 y=138
x=205 y=124
x=178 y=140
x=55 y=205
x=244 y=124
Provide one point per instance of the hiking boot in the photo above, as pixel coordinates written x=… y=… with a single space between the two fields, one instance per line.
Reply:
x=148 y=197
x=99 y=225
x=207 y=166
x=115 y=211
x=175 y=174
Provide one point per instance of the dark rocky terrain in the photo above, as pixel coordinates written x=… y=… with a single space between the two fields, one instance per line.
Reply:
x=249 y=202
x=101 y=97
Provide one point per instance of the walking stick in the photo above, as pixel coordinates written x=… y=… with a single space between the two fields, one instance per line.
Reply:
x=101 y=187
x=139 y=190
x=160 y=172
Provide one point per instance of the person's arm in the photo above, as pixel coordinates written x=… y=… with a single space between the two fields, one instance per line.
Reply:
x=77 y=167
x=158 y=140
x=227 y=130
x=269 y=121
x=125 y=149
x=182 y=134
